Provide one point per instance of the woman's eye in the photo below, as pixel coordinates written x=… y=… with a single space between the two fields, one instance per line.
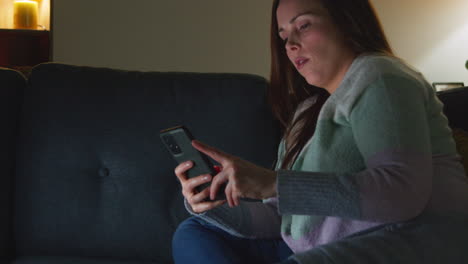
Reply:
x=304 y=26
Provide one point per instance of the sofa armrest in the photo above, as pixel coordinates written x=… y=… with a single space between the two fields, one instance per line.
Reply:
x=12 y=85
x=455 y=106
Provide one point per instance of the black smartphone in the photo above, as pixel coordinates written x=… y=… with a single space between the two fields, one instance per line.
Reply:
x=178 y=141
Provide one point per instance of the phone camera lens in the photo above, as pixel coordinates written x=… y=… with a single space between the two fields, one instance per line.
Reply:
x=172 y=145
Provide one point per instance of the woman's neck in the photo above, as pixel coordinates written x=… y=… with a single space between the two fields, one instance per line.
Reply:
x=343 y=69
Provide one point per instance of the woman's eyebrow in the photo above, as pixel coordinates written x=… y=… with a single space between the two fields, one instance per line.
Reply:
x=298 y=15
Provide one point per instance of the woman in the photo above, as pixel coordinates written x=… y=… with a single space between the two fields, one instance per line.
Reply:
x=367 y=169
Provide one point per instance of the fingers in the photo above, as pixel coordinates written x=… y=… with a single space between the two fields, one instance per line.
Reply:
x=199 y=197
x=212 y=152
x=206 y=206
x=199 y=203
x=217 y=182
x=235 y=198
x=232 y=196
x=196 y=181
x=228 y=192
x=194 y=198
x=181 y=169
x=189 y=185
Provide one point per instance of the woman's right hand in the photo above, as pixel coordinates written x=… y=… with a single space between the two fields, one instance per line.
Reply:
x=194 y=198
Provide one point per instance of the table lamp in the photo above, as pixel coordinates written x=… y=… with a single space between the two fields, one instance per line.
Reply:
x=25 y=14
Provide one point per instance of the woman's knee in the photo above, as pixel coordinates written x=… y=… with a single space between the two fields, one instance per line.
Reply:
x=196 y=241
x=188 y=230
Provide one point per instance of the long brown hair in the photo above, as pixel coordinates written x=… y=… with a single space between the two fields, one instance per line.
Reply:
x=361 y=28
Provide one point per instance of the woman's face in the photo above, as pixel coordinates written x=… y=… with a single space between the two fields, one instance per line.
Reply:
x=313 y=43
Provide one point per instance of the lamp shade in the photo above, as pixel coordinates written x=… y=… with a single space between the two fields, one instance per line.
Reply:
x=25 y=14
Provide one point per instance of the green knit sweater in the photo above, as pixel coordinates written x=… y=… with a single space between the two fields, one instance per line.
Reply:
x=382 y=152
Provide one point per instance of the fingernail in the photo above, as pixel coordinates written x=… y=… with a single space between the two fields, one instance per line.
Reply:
x=187 y=163
x=206 y=178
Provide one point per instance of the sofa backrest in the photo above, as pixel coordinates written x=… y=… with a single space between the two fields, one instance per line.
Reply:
x=456 y=106
x=93 y=178
x=12 y=85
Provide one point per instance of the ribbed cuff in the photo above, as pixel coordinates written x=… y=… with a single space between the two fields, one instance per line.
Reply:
x=189 y=209
x=321 y=194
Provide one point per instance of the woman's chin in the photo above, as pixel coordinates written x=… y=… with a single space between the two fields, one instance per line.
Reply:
x=312 y=80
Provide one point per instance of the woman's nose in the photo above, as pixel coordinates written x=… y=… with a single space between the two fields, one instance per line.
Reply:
x=292 y=44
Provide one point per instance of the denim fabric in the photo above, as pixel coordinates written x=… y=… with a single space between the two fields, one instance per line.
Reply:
x=197 y=241
x=425 y=239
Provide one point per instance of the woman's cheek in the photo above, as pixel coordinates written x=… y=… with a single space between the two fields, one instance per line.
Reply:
x=314 y=40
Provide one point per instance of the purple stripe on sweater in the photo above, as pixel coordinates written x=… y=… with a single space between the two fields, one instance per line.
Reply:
x=450 y=186
x=331 y=229
x=396 y=186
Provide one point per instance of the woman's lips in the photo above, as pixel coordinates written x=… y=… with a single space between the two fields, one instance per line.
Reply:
x=300 y=62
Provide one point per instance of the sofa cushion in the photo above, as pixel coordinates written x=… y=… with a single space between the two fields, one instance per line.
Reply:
x=93 y=178
x=74 y=260
x=12 y=85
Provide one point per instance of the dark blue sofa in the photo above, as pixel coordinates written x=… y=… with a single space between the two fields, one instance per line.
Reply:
x=84 y=176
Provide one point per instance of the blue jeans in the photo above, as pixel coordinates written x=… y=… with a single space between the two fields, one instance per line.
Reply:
x=426 y=239
x=196 y=241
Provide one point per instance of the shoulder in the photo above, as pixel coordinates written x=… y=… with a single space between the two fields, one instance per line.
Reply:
x=367 y=68
x=378 y=73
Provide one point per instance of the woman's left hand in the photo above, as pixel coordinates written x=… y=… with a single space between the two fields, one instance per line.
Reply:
x=244 y=179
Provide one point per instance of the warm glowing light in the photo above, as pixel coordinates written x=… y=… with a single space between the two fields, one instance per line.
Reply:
x=25 y=14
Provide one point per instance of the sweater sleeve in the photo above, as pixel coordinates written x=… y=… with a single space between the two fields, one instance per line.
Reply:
x=258 y=220
x=389 y=123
